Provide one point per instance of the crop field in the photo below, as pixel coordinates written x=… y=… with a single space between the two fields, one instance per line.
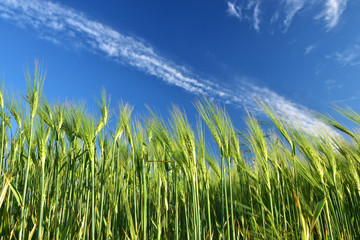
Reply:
x=67 y=175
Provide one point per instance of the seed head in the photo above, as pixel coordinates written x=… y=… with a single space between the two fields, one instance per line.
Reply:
x=1 y=100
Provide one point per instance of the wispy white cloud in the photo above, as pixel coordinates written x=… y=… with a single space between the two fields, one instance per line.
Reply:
x=57 y=23
x=332 y=12
x=348 y=57
x=338 y=101
x=234 y=10
x=248 y=10
x=274 y=17
x=60 y=24
x=309 y=49
x=286 y=10
x=331 y=84
x=256 y=17
x=291 y=8
x=301 y=117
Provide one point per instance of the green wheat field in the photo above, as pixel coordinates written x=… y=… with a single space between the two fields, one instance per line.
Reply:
x=67 y=175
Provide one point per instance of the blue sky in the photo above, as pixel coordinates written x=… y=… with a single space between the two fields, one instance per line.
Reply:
x=299 y=55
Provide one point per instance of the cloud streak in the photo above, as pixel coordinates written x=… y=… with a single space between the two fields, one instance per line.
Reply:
x=234 y=10
x=256 y=17
x=249 y=11
x=348 y=57
x=63 y=25
x=331 y=11
x=58 y=23
x=291 y=8
x=299 y=116
x=331 y=84
x=309 y=49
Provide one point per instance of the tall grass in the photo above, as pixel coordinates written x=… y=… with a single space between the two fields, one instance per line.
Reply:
x=67 y=175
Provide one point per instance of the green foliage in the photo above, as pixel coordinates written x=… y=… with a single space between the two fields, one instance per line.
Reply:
x=66 y=175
